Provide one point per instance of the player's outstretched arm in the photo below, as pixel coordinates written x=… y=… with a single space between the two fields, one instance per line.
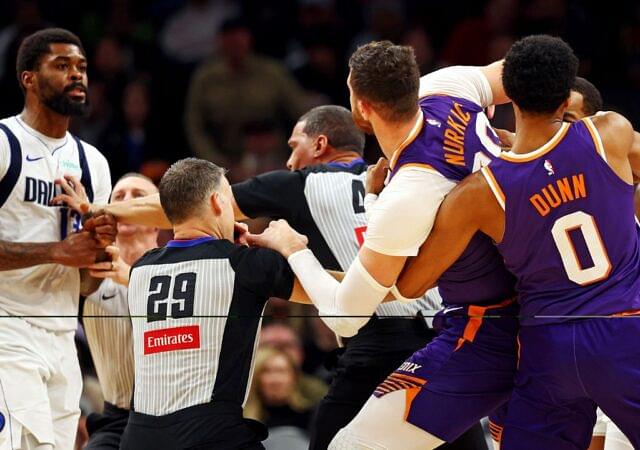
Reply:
x=140 y=211
x=480 y=84
x=148 y=211
x=299 y=295
x=344 y=306
x=469 y=208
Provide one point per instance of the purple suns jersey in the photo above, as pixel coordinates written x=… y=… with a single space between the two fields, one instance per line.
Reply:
x=571 y=236
x=456 y=140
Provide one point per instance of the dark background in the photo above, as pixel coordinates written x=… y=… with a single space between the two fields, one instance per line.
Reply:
x=142 y=43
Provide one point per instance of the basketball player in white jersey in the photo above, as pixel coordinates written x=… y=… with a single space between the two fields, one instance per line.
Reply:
x=40 y=382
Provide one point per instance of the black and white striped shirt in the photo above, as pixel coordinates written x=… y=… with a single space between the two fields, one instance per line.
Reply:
x=326 y=203
x=196 y=308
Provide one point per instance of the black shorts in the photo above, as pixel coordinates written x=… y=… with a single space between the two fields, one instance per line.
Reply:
x=210 y=426
x=105 y=430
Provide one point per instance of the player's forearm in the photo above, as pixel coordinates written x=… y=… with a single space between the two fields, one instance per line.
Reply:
x=414 y=281
x=140 y=211
x=345 y=306
x=18 y=255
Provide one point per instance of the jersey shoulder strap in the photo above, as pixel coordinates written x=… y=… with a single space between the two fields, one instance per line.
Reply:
x=8 y=182
x=86 y=173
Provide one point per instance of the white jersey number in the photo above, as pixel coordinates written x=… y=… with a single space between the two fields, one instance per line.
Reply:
x=584 y=222
x=485 y=134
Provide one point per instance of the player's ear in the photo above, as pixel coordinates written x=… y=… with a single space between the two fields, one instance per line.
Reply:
x=365 y=109
x=321 y=146
x=215 y=202
x=28 y=79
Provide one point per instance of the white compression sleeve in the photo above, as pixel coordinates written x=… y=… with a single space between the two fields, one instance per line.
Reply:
x=369 y=202
x=401 y=298
x=458 y=81
x=344 y=306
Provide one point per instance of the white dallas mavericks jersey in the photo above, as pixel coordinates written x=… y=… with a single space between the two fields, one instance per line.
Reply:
x=336 y=202
x=29 y=166
x=110 y=341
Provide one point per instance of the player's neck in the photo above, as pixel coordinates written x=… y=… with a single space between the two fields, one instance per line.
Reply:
x=532 y=132
x=197 y=228
x=133 y=247
x=391 y=135
x=338 y=156
x=45 y=121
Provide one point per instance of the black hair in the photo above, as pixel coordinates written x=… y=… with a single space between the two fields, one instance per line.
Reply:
x=539 y=72
x=591 y=97
x=336 y=123
x=38 y=44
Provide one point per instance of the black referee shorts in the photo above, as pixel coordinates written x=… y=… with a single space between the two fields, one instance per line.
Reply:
x=105 y=430
x=369 y=357
x=210 y=426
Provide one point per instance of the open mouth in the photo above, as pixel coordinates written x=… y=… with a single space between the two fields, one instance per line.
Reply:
x=77 y=93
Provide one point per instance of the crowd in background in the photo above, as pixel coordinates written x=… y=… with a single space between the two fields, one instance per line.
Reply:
x=226 y=80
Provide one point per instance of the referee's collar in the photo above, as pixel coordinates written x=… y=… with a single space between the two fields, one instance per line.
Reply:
x=190 y=242
x=349 y=164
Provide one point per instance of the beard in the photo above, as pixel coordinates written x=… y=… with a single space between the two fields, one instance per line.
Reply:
x=62 y=103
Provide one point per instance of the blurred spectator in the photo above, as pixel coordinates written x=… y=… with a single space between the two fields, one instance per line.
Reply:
x=188 y=35
x=27 y=18
x=323 y=73
x=111 y=64
x=282 y=336
x=262 y=151
x=385 y=22
x=543 y=16
x=93 y=127
x=420 y=41
x=277 y=400
x=128 y=141
x=470 y=41
x=235 y=90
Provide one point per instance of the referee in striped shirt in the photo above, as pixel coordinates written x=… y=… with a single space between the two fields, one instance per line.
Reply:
x=196 y=306
x=322 y=197
x=109 y=338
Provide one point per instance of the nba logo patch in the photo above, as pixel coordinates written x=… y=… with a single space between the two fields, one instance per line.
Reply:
x=434 y=122
x=548 y=167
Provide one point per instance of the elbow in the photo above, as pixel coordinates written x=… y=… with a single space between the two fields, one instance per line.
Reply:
x=345 y=326
x=409 y=291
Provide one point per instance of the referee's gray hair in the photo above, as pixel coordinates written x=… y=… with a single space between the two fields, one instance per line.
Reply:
x=186 y=185
x=336 y=123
